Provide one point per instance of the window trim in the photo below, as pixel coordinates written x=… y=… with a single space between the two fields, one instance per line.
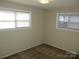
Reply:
x=65 y=29
x=17 y=10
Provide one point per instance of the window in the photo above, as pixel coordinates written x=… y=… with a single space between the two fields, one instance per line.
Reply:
x=14 y=19
x=22 y=19
x=68 y=21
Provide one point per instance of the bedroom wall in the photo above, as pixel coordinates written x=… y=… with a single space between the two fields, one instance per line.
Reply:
x=63 y=39
x=43 y=30
x=13 y=41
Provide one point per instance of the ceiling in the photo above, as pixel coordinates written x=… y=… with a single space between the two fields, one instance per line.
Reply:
x=53 y=4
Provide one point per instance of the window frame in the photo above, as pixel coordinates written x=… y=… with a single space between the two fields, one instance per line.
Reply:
x=17 y=28
x=67 y=29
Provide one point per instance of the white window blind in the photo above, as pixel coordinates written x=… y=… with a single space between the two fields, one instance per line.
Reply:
x=14 y=19
x=7 y=19
x=23 y=19
x=68 y=21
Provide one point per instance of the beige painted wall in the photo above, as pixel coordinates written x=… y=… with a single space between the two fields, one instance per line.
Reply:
x=43 y=30
x=13 y=41
x=64 y=39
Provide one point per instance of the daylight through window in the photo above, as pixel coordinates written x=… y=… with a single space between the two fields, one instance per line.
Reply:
x=68 y=21
x=12 y=19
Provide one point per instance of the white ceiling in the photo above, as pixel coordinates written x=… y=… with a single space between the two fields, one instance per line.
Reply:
x=53 y=4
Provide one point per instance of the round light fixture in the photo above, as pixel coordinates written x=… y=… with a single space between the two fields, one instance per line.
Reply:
x=45 y=1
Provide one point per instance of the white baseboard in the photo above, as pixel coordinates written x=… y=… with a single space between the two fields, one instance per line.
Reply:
x=37 y=45
x=18 y=51
x=63 y=49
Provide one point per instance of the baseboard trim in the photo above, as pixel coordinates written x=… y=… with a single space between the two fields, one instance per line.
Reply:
x=18 y=51
x=38 y=45
x=63 y=49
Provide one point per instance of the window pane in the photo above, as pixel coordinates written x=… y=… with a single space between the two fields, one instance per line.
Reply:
x=73 y=25
x=7 y=15
x=22 y=16
x=74 y=22
x=61 y=18
x=66 y=19
x=6 y=25
x=23 y=24
x=69 y=21
x=74 y=19
x=61 y=21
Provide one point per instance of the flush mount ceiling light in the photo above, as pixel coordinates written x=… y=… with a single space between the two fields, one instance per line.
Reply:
x=45 y=1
